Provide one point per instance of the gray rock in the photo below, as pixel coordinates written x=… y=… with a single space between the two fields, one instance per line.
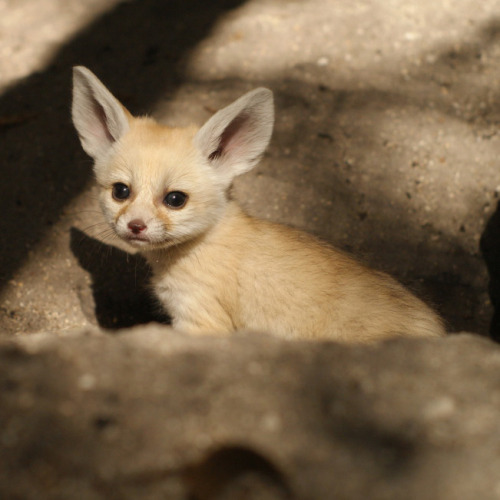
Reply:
x=150 y=413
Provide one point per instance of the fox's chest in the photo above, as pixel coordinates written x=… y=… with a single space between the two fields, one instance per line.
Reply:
x=196 y=296
x=178 y=296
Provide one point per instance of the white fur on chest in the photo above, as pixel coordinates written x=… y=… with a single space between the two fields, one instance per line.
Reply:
x=195 y=289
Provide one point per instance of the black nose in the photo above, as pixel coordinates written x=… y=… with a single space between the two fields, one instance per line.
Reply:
x=137 y=226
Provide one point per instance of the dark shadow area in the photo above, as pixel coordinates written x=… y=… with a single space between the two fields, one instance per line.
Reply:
x=138 y=49
x=236 y=472
x=120 y=284
x=490 y=248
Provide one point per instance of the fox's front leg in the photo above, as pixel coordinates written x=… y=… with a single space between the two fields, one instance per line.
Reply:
x=194 y=310
x=202 y=317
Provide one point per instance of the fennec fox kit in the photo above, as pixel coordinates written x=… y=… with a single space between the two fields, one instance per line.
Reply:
x=165 y=191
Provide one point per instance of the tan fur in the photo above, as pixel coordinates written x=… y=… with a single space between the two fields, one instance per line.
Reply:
x=251 y=274
x=216 y=269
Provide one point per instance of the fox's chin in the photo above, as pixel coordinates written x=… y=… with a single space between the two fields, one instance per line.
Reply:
x=143 y=243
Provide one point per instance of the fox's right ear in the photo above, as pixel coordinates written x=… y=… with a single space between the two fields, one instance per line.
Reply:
x=98 y=116
x=234 y=138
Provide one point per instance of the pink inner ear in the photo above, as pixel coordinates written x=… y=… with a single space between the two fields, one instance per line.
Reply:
x=101 y=129
x=233 y=136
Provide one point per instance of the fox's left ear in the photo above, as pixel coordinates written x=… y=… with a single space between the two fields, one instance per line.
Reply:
x=234 y=139
x=98 y=116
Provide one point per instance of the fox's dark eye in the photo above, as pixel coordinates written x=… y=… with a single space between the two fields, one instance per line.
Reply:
x=175 y=199
x=120 y=191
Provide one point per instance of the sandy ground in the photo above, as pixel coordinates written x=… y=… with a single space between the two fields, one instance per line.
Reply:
x=386 y=141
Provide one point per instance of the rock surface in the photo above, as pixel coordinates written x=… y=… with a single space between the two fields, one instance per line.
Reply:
x=150 y=413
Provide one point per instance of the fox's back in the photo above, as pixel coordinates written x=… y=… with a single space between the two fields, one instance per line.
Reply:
x=292 y=282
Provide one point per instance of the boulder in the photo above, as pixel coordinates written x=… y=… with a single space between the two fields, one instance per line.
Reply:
x=151 y=413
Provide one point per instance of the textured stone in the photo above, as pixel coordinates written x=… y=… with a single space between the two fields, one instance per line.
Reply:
x=151 y=413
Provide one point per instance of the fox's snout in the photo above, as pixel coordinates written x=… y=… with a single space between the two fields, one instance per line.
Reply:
x=137 y=226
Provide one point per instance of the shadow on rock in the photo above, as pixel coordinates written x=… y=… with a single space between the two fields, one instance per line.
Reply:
x=236 y=472
x=120 y=284
x=490 y=248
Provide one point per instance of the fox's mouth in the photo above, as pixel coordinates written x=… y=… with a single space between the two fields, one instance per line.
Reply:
x=140 y=241
x=137 y=238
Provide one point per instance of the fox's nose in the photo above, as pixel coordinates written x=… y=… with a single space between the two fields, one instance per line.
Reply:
x=137 y=226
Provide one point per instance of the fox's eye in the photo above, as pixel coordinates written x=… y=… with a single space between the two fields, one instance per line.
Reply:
x=175 y=199
x=120 y=191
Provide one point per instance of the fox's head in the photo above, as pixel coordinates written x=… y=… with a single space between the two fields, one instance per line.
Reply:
x=161 y=186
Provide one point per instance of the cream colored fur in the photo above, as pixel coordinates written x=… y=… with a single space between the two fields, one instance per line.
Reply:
x=216 y=269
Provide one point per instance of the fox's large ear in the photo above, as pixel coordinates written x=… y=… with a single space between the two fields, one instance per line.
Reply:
x=234 y=139
x=98 y=116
